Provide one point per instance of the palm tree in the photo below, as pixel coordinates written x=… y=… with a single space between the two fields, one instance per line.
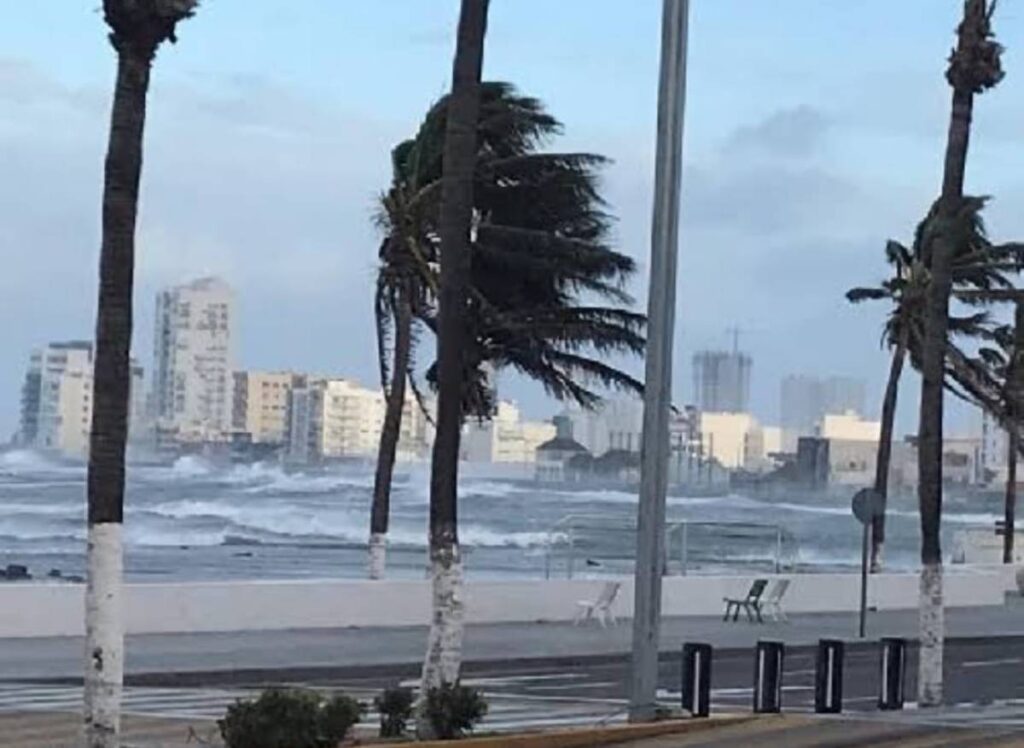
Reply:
x=444 y=645
x=978 y=266
x=1014 y=399
x=1006 y=363
x=540 y=243
x=137 y=30
x=400 y=296
x=407 y=281
x=974 y=67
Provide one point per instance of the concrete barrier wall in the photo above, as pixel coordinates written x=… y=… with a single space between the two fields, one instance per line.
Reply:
x=32 y=610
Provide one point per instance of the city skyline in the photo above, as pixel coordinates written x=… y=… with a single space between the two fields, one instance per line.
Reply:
x=819 y=395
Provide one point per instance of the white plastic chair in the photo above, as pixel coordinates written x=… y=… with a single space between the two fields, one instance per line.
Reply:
x=772 y=603
x=600 y=608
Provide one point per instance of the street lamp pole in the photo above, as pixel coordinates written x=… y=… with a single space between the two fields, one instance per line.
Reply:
x=661 y=305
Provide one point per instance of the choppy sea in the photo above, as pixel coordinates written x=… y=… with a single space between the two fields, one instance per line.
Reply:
x=193 y=520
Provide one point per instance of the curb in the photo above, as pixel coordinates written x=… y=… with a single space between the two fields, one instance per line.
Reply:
x=593 y=737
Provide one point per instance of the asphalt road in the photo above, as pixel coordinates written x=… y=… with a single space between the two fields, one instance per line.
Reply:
x=44 y=658
x=539 y=674
x=984 y=686
x=979 y=672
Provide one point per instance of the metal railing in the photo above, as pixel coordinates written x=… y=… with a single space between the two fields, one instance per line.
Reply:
x=564 y=540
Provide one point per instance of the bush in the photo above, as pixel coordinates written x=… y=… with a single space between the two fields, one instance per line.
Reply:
x=395 y=708
x=453 y=710
x=337 y=717
x=282 y=718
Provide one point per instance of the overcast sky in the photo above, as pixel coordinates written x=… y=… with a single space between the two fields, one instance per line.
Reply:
x=814 y=131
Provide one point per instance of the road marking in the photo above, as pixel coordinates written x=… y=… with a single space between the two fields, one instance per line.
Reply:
x=566 y=686
x=993 y=663
x=507 y=711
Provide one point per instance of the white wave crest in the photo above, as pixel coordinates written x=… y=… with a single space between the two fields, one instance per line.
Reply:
x=191 y=466
x=19 y=462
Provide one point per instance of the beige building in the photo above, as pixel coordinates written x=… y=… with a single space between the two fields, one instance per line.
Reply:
x=57 y=399
x=335 y=418
x=849 y=426
x=505 y=438
x=193 y=361
x=735 y=440
x=773 y=440
x=352 y=419
x=260 y=404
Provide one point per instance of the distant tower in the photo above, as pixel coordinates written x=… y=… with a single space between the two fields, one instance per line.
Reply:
x=721 y=381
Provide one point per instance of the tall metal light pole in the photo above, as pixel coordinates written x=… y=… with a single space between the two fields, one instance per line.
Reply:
x=661 y=306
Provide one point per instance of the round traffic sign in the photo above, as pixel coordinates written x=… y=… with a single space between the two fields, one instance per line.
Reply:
x=867 y=504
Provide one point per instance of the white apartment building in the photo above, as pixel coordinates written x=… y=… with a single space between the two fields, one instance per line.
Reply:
x=260 y=404
x=337 y=418
x=616 y=424
x=57 y=399
x=505 y=438
x=193 y=360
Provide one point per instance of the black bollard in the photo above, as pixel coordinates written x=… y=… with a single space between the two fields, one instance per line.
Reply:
x=828 y=677
x=768 y=659
x=894 y=666
x=696 y=684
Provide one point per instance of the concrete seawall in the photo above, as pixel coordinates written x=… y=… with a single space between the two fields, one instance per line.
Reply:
x=42 y=609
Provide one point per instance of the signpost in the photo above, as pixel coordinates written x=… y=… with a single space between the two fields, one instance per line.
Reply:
x=867 y=504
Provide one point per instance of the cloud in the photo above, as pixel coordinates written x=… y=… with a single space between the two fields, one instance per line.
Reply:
x=788 y=133
x=759 y=199
x=23 y=84
x=243 y=176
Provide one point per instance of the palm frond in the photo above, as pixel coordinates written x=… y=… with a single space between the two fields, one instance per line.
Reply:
x=857 y=295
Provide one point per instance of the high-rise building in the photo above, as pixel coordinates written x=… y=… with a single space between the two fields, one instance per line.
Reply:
x=57 y=399
x=806 y=400
x=193 y=360
x=721 y=381
x=260 y=404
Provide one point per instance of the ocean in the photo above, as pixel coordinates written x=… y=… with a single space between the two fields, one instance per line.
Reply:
x=195 y=521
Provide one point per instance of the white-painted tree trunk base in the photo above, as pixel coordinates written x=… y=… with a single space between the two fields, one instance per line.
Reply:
x=444 y=644
x=933 y=631
x=104 y=636
x=877 y=557
x=378 y=550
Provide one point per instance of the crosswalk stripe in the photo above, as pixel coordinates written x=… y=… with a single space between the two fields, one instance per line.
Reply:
x=507 y=711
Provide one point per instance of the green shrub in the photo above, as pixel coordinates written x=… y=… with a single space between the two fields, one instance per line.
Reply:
x=291 y=718
x=395 y=708
x=453 y=710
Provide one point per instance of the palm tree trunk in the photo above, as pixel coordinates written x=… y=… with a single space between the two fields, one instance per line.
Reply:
x=899 y=355
x=389 y=437
x=1011 y=493
x=932 y=618
x=444 y=647
x=104 y=662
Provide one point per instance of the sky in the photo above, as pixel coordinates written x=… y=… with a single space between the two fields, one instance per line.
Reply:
x=814 y=132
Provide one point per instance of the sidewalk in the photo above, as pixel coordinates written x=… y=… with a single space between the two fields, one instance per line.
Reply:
x=314 y=649
x=63 y=730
